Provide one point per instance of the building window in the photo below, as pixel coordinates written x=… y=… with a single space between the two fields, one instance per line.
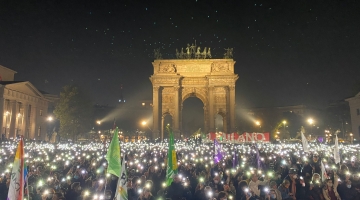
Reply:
x=40 y=112
x=143 y=104
x=39 y=131
x=358 y=111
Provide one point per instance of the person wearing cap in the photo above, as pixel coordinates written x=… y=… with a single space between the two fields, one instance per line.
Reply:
x=292 y=177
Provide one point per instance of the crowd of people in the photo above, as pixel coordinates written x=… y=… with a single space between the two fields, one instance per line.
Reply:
x=74 y=171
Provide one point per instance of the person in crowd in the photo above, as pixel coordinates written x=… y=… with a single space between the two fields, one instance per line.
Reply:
x=314 y=194
x=254 y=184
x=72 y=170
x=347 y=191
x=284 y=190
x=330 y=189
x=146 y=194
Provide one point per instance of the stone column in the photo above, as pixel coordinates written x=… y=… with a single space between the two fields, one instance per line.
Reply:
x=176 y=116
x=232 y=108
x=225 y=124
x=211 y=110
x=162 y=127
x=12 y=131
x=33 y=123
x=156 y=116
x=25 y=120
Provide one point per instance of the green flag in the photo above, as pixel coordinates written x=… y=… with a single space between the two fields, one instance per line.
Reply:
x=113 y=155
x=172 y=167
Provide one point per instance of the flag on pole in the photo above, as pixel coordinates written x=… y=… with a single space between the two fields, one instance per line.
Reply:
x=172 y=167
x=114 y=125
x=18 y=174
x=336 y=151
x=324 y=175
x=121 y=189
x=304 y=143
x=113 y=155
x=217 y=151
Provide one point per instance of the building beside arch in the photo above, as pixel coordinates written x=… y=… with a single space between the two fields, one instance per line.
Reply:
x=24 y=108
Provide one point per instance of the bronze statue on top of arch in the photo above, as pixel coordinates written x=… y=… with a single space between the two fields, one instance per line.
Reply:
x=194 y=52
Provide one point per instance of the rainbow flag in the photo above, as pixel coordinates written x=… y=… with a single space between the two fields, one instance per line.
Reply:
x=18 y=174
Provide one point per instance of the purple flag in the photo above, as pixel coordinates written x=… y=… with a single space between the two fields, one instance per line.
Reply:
x=235 y=160
x=218 y=153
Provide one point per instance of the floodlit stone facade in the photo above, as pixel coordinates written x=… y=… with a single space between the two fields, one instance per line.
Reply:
x=354 y=103
x=24 y=108
x=210 y=80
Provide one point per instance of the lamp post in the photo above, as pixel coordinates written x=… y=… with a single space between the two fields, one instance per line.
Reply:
x=284 y=122
x=144 y=123
x=98 y=122
x=351 y=138
x=311 y=122
x=49 y=119
x=258 y=124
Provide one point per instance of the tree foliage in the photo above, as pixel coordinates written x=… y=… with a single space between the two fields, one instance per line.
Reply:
x=75 y=112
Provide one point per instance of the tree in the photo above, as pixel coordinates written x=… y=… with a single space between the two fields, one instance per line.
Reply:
x=75 y=112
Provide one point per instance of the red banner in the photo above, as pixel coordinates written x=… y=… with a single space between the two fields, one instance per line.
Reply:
x=245 y=137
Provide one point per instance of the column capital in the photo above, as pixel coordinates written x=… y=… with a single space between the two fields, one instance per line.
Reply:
x=156 y=88
x=231 y=87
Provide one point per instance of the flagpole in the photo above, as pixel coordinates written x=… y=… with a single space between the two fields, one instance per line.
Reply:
x=105 y=182
x=27 y=186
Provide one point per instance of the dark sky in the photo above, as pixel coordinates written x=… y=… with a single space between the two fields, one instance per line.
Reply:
x=287 y=52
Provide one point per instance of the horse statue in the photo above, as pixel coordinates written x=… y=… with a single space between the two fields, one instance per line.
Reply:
x=203 y=54
x=188 y=54
x=181 y=55
x=177 y=54
x=208 y=54
x=198 y=53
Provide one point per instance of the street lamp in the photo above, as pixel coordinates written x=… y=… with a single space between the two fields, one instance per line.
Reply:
x=50 y=118
x=351 y=138
x=311 y=122
x=98 y=122
x=258 y=124
x=144 y=123
x=284 y=122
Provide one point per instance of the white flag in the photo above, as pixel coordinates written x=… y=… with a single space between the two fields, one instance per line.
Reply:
x=304 y=143
x=121 y=189
x=336 y=151
x=324 y=175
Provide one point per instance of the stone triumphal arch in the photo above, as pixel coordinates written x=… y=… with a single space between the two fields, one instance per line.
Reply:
x=210 y=80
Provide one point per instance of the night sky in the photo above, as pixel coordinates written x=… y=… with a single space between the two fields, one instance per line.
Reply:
x=287 y=52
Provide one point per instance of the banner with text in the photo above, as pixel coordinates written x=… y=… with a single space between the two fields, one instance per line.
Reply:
x=245 y=137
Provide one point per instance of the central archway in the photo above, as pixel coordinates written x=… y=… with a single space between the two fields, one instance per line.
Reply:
x=192 y=116
x=210 y=80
